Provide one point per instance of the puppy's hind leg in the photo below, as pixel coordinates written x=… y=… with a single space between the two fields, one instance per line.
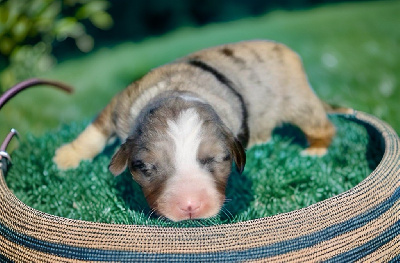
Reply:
x=318 y=130
x=319 y=138
x=89 y=143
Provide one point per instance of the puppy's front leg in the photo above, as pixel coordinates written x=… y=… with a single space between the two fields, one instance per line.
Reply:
x=86 y=146
x=90 y=142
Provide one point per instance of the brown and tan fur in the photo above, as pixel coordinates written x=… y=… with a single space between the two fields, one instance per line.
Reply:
x=267 y=87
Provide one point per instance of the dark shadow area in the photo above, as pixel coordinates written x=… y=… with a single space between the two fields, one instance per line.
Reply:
x=375 y=147
x=131 y=193
x=138 y=20
x=135 y=20
x=376 y=144
x=239 y=195
x=4 y=166
x=289 y=131
x=111 y=148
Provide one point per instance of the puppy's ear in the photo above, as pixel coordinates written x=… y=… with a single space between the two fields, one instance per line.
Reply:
x=236 y=149
x=239 y=155
x=119 y=161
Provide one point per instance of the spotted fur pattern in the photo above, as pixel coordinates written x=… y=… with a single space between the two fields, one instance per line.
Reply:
x=184 y=123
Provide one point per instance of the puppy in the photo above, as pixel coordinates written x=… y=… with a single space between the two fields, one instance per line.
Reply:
x=183 y=124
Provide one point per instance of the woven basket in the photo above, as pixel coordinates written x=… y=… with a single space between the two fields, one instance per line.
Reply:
x=360 y=224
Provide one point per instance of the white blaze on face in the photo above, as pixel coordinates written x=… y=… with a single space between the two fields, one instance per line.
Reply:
x=191 y=192
x=186 y=134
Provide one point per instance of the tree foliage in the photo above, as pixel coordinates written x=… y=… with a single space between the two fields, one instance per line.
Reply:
x=30 y=28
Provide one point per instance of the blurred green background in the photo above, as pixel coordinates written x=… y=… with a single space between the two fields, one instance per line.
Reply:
x=351 y=50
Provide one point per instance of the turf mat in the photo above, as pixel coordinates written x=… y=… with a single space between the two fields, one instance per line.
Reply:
x=277 y=178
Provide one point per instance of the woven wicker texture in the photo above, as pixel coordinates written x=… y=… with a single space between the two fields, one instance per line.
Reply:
x=360 y=224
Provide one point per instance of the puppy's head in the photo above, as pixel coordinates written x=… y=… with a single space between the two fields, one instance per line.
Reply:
x=181 y=154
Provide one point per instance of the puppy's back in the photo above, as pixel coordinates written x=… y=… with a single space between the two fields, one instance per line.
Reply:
x=270 y=78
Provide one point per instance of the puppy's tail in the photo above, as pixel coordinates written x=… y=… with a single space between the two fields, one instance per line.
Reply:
x=330 y=108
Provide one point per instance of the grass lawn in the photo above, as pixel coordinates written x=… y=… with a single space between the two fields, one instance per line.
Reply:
x=350 y=52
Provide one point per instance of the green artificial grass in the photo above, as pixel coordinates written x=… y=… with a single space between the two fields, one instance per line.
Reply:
x=277 y=178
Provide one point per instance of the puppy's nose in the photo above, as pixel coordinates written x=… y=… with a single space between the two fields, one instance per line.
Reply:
x=190 y=207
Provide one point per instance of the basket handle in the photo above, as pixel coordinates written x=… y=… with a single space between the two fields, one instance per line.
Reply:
x=5 y=158
x=31 y=83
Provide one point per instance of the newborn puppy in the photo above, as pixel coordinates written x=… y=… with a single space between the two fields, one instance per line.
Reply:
x=183 y=124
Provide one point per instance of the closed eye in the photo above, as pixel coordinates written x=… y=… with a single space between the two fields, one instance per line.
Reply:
x=208 y=160
x=227 y=157
x=211 y=160
x=138 y=165
x=145 y=168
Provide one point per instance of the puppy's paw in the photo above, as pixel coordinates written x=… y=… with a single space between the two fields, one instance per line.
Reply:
x=314 y=151
x=66 y=157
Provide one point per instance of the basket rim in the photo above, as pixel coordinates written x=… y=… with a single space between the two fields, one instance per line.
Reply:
x=250 y=233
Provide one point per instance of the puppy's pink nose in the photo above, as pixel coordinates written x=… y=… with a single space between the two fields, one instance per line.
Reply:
x=190 y=207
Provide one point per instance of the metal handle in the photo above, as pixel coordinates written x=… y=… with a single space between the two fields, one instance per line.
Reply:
x=5 y=158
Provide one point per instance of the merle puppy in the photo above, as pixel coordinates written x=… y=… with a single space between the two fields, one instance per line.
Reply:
x=183 y=124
